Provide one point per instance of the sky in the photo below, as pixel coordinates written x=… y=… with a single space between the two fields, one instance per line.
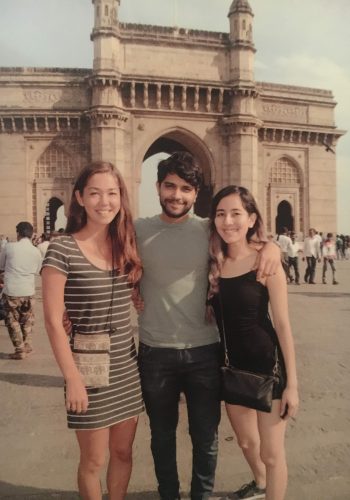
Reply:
x=298 y=42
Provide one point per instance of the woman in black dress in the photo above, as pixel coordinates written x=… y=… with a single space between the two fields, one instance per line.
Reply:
x=251 y=338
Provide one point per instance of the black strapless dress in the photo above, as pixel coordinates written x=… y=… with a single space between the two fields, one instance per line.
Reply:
x=250 y=336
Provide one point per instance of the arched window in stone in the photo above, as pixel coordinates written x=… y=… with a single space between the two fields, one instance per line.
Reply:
x=106 y=10
x=284 y=181
x=54 y=162
x=284 y=172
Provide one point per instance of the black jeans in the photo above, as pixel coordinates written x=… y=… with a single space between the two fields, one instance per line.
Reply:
x=165 y=373
x=293 y=262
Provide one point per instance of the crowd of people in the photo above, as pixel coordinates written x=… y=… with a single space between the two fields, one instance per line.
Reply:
x=193 y=281
x=315 y=248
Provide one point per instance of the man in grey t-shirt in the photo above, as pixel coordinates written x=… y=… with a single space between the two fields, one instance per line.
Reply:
x=179 y=350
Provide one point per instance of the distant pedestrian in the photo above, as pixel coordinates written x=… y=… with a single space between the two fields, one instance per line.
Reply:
x=21 y=261
x=312 y=254
x=339 y=247
x=3 y=242
x=44 y=244
x=329 y=254
x=293 y=260
x=285 y=244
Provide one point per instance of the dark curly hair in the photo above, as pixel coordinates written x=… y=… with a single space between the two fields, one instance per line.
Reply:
x=182 y=164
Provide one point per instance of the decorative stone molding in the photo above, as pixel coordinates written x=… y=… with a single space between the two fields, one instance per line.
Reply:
x=240 y=124
x=266 y=88
x=104 y=80
x=290 y=112
x=174 y=96
x=243 y=91
x=175 y=36
x=105 y=116
x=36 y=96
x=40 y=122
x=299 y=136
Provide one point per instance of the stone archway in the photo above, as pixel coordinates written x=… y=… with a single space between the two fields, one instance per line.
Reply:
x=284 y=217
x=284 y=195
x=181 y=140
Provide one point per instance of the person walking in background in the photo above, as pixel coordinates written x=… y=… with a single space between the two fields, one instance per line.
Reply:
x=312 y=254
x=44 y=244
x=179 y=350
x=285 y=244
x=20 y=261
x=293 y=260
x=339 y=244
x=241 y=303
x=91 y=273
x=329 y=254
x=3 y=242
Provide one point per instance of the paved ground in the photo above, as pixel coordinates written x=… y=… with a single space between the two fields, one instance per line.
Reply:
x=38 y=454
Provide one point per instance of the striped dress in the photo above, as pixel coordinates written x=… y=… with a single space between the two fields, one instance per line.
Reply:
x=87 y=297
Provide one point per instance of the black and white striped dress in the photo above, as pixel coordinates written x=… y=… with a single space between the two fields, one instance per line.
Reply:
x=87 y=297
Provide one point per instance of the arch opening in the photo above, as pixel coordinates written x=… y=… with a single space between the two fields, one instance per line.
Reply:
x=284 y=217
x=52 y=214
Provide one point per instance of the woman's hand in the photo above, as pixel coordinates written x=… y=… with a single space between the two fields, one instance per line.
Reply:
x=137 y=300
x=76 y=396
x=67 y=324
x=289 y=402
x=268 y=260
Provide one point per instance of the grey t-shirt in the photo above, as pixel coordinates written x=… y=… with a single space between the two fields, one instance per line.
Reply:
x=174 y=283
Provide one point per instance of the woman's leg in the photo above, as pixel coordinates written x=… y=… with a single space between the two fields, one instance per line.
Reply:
x=121 y=439
x=245 y=425
x=93 y=447
x=272 y=430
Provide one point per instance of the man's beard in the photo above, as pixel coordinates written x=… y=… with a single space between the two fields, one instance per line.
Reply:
x=176 y=215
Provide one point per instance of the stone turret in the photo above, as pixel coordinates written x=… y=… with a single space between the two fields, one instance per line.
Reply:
x=105 y=36
x=241 y=122
x=108 y=119
x=242 y=45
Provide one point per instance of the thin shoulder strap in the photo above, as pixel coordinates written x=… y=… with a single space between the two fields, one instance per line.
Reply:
x=227 y=360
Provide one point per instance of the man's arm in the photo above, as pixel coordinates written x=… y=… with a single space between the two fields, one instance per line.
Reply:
x=268 y=259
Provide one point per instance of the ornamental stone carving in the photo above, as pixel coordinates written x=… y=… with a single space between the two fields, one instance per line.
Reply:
x=286 y=112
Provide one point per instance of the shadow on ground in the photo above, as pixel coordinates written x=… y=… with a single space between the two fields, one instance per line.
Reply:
x=11 y=492
x=31 y=380
x=318 y=295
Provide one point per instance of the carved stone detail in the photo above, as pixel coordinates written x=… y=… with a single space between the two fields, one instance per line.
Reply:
x=284 y=111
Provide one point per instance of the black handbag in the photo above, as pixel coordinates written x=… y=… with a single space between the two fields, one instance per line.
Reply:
x=245 y=388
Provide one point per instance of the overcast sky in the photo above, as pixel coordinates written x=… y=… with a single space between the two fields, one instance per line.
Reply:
x=299 y=42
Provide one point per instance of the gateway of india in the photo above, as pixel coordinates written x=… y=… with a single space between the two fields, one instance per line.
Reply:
x=159 y=89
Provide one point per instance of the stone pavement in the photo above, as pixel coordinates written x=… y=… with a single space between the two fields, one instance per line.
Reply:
x=38 y=455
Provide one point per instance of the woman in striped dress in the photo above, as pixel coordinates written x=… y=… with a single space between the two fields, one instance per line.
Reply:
x=91 y=272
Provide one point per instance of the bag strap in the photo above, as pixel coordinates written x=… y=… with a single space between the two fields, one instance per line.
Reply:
x=109 y=318
x=227 y=360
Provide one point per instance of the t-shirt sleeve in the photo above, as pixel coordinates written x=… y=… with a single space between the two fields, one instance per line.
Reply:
x=57 y=256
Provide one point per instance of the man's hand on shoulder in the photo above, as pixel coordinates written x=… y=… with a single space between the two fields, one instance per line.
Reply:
x=268 y=260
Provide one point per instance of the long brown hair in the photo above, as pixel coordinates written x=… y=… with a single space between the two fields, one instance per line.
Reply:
x=217 y=246
x=121 y=230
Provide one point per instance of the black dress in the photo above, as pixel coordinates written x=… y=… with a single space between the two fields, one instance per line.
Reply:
x=250 y=336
